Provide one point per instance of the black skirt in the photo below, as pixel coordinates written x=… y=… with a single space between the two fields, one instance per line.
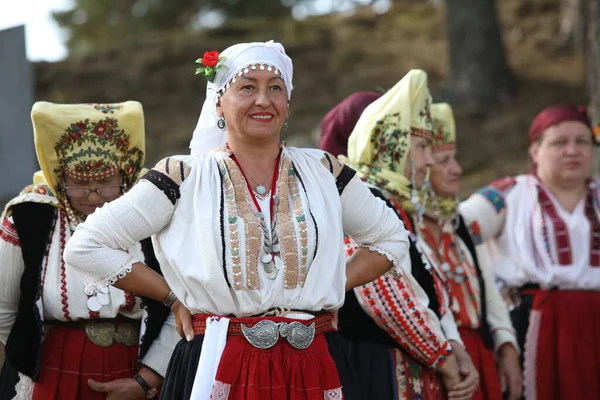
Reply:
x=8 y=381
x=179 y=379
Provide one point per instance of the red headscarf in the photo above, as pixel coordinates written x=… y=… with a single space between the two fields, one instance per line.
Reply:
x=551 y=116
x=554 y=115
x=338 y=124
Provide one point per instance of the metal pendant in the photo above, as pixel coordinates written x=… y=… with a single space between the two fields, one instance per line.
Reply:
x=103 y=298
x=270 y=270
x=93 y=304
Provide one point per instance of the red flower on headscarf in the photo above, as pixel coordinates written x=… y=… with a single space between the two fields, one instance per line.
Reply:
x=123 y=144
x=210 y=58
x=100 y=129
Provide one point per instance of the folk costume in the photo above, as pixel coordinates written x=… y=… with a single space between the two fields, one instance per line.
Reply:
x=553 y=257
x=479 y=311
x=57 y=335
x=261 y=285
x=404 y=321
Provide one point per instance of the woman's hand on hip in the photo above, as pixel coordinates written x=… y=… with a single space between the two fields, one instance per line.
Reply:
x=183 y=320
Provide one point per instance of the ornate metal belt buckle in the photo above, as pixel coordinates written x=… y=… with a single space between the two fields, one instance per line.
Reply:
x=262 y=335
x=127 y=335
x=100 y=333
x=104 y=334
x=265 y=334
x=297 y=334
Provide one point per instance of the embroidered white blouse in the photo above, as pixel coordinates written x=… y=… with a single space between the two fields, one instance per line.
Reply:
x=208 y=238
x=63 y=292
x=524 y=244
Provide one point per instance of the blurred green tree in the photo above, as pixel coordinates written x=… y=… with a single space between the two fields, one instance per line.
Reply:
x=93 y=24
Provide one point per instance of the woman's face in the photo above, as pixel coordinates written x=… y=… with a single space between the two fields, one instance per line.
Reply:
x=109 y=189
x=445 y=173
x=420 y=154
x=564 y=154
x=255 y=106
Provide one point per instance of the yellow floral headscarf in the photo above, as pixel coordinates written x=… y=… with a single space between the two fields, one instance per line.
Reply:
x=444 y=138
x=88 y=141
x=379 y=145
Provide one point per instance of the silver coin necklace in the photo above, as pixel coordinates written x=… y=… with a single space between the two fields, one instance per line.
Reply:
x=271 y=263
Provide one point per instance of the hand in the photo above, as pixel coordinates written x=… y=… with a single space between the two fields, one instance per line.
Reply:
x=334 y=321
x=183 y=320
x=121 y=389
x=468 y=373
x=510 y=371
x=449 y=373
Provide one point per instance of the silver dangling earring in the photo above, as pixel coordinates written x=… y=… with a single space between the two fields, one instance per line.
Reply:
x=285 y=125
x=221 y=123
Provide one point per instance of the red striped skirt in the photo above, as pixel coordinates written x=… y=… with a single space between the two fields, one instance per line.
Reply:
x=69 y=359
x=279 y=372
x=562 y=348
x=485 y=362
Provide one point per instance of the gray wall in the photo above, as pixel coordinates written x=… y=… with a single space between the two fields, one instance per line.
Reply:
x=17 y=153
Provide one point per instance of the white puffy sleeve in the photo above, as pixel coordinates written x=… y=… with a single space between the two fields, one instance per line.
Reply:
x=497 y=312
x=485 y=211
x=12 y=267
x=372 y=224
x=97 y=250
x=159 y=354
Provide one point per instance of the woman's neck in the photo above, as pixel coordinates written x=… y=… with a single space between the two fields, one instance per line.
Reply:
x=257 y=160
x=568 y=195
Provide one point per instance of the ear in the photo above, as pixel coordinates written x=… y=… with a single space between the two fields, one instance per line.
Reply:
x=533 y=152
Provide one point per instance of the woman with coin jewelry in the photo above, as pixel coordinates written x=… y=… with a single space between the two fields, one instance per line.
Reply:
x=480 y=313
x=403 y=321
x=262 y=276
x=61 y=341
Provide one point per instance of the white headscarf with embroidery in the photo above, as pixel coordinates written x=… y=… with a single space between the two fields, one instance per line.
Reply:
x=238 y=60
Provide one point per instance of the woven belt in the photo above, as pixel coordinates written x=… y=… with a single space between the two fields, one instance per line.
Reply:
x=265 y=332
x=104 y=332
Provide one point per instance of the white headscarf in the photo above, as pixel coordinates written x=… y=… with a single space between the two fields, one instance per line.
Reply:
x=238 y=59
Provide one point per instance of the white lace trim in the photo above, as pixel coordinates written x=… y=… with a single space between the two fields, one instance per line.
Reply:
x=246 y=68
x=530 y=355
x=93 y=288
x=24 y=388
x=220 y=391
x=395 y=270
x=335 y=394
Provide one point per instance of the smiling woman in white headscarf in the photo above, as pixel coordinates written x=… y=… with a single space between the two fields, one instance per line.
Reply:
x=249 y=235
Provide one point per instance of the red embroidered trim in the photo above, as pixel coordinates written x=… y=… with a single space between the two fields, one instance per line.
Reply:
x=425 y=133
x=592 y=217
x=561 y=234
x=8 y=233
x=63 y=274
x=48 y=253
x=130 y=301
x=93 y=314
x=389 y=301
x=503 y=184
